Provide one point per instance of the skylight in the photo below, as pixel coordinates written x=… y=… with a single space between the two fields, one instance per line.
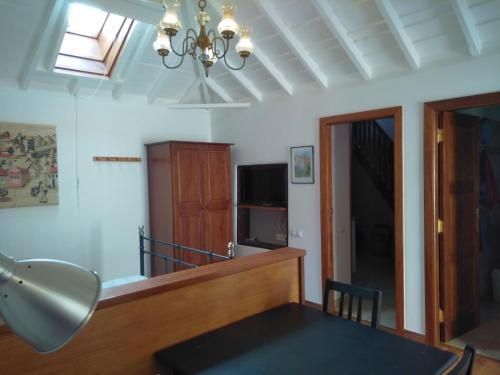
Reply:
x=85 y=20
x=93 y=41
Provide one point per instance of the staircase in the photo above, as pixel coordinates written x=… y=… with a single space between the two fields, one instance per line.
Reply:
x=374 y=150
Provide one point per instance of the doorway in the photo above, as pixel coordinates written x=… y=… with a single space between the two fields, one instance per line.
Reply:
x=462 y=222
x=361 y=205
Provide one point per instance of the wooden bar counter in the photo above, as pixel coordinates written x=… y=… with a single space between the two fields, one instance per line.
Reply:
x=135 y=320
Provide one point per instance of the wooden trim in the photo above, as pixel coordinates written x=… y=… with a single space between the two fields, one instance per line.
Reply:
x=81 y=58
x=398 y=217
x=121 y=45
x=325 y=177
x=302 y=280
x=102 y=27
x=181 y=279
x=454 y=104
x=109 y=49
x=431 y=200
x=418 y=337
x=189 y=142
x=313 y=305
x=326 y=172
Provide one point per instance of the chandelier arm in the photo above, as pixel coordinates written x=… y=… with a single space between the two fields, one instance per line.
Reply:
x=185 y=46
x=224 y=43
x=172 y=67
x=193 y=38
x=232 y=67
x=184 y=49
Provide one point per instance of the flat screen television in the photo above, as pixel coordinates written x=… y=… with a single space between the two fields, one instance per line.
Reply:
x=263 y=184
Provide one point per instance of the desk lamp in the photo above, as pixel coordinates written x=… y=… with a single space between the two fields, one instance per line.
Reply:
x=46 y=302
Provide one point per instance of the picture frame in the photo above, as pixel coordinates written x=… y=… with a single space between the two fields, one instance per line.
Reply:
x=302 y=164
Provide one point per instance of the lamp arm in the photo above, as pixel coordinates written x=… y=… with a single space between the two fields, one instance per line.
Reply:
x=216 y=51
x=7 y=268
x=185 y=43
x=172 y=67
x=235 y=68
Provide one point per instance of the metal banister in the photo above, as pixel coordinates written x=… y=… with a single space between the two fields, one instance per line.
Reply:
x=142 y=238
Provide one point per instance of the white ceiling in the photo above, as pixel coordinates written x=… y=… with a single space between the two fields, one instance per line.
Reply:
x=299 y=44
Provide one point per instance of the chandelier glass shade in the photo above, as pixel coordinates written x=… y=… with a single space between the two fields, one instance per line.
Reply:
x=208 y=46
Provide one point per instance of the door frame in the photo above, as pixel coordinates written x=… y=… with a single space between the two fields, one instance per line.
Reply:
x=432 y=112
x=326 y=186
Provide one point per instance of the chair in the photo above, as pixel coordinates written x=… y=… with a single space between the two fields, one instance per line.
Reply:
x=353 y=291
x=464 y=366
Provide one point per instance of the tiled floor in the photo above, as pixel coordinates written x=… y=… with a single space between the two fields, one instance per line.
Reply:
x=486 y=337
x=377 y=272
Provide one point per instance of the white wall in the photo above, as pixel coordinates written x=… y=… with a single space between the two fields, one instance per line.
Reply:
x=265 y=132
x=341 y=194
x=97 y=228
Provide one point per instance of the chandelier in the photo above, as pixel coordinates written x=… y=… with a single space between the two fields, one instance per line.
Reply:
x=206 y=46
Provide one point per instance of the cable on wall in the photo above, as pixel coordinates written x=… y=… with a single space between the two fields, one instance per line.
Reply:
x=77 y=172
x=76 y=97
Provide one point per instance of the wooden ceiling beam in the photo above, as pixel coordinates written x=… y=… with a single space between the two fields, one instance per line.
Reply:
x=246 y=83
x=74 y=86
x=195 y=84
x=40 y=42
x=158 y=85
x=219 y=90
x=468 y=26
x=340 y=32
x=293 y=43
x=131 y=56
x=205 y=94
x=239 y=76
x=266 y=62
x=208 y=106
x=190 y=14
x=139 y=10
x=57 y=37
x=398 y=30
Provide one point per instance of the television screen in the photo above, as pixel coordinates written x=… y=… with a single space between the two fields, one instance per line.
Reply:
x=265 y=184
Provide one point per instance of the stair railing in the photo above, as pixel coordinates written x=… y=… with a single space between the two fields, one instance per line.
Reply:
x=374 y=149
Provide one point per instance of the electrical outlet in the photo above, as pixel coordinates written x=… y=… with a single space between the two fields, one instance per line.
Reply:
x=280 y=237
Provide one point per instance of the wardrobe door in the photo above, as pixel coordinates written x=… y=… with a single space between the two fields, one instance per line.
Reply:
x=188 y=200
x=217 y=197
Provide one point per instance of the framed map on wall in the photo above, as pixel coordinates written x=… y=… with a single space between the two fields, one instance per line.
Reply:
x=28 y=165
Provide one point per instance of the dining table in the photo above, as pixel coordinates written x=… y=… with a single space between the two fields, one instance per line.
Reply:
x=297 y=339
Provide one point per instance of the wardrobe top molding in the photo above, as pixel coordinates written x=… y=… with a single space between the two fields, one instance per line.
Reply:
x=188 y=142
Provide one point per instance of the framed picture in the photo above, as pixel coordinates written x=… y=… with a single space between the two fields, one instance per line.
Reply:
x=29 y=174
x=302 y=165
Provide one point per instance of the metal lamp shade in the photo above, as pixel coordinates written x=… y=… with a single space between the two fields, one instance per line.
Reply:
x=46 y=302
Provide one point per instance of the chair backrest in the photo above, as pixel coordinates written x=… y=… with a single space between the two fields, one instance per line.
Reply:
x=464 y=366
x=353 y=291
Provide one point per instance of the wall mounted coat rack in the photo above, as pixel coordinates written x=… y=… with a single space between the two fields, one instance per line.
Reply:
x=118 y=159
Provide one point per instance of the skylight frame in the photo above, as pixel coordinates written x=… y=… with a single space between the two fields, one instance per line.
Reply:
x=90 y=12
x=99 y=54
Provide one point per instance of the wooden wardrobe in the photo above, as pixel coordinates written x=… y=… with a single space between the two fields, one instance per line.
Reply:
x=189 y=200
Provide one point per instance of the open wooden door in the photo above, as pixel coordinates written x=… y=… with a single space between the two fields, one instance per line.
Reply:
x=459 y=243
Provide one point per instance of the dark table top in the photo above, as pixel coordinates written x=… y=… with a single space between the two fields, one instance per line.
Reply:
x=294 y=339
